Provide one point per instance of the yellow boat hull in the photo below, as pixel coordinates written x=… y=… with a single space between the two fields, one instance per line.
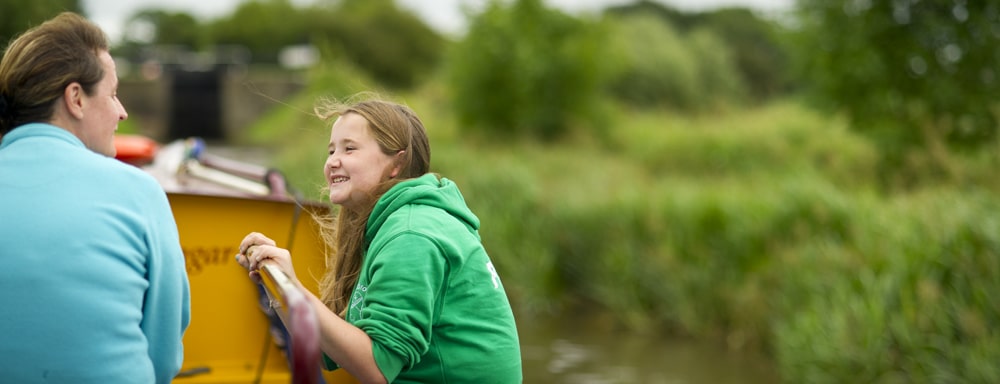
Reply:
x=229 y=338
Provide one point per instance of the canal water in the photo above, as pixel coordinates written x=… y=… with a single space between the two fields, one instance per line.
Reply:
x=567 y=351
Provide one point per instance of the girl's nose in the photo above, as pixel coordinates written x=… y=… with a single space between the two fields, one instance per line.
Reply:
x=332 y=162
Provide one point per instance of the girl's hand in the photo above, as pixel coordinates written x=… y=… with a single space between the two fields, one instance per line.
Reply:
x=256 y=248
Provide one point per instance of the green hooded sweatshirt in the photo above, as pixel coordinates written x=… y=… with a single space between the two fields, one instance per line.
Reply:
x=428 y=294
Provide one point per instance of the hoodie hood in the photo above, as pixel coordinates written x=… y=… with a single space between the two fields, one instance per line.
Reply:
x=431 y=190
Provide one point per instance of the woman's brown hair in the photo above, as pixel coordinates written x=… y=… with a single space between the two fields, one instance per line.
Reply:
x=396 y=128
x=41 y=62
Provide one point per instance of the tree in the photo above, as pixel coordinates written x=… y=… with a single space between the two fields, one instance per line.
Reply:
x=754 y=44
x=264 y=27
x=18 y=16
x=656 y=66
x=166 y=28
x=919 y=75
x=527 y=70
x=653 y=64
x=393 y=45
x=757 y=49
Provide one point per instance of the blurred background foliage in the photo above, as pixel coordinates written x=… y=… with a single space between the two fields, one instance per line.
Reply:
x=911 y=75
x=16 y=16
x=525 y=70
x=394 y=46
x=818 y=185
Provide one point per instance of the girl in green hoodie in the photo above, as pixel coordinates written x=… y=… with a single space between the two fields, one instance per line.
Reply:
x=412 y=296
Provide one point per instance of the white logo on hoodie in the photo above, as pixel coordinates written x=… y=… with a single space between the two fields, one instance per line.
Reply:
x=493 y=272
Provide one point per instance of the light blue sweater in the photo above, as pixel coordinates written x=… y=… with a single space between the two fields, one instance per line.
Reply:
x=92 y=281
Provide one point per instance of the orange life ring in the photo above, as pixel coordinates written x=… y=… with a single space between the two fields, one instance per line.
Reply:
x=135 y=149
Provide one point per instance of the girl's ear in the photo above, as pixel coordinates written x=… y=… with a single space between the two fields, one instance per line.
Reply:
x=398 y=165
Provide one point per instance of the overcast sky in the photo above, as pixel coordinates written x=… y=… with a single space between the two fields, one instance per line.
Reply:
x=445 y=15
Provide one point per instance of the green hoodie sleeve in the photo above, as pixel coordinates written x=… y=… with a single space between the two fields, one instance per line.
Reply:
x=401 y=299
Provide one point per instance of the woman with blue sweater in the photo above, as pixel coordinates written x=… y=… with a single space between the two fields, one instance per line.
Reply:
x=92 y=278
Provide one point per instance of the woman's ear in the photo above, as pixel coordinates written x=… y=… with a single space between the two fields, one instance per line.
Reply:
x=73 y=99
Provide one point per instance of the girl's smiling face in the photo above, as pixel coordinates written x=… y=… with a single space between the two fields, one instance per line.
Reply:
x=355 y=164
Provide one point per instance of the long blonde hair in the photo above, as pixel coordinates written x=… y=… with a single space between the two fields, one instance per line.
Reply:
x=395 y=128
